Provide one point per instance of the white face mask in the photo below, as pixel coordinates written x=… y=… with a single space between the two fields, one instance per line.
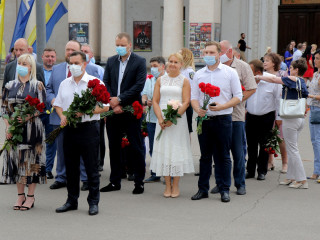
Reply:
x=224 y=58
x=75 y=70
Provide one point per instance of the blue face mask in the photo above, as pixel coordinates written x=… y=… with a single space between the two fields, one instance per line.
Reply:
x=87 y=58
x=155 y=72
x=93 y=60
x=210 y=60
x=121 y=51
x=22 y=71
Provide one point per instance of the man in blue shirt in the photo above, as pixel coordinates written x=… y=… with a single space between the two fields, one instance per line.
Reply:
x=157 y=65
x=49 y=58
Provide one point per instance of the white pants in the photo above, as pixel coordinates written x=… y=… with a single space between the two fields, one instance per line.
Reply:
x=291 y=130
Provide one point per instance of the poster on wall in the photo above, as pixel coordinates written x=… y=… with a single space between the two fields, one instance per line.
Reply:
x=142 y=36
x=200 y=33
x=217 y=32
x=79 y=32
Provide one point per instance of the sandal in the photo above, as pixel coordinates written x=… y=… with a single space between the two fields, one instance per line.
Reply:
x=24 y=208
x=17 y=207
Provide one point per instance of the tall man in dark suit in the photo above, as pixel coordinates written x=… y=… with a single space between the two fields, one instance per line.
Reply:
x=59 y=73
x=125 y=75
x=20 y=47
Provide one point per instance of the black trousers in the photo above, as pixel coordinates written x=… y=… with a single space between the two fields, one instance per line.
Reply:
x=82 y=141
x=258 y=129
x=117 y=127
x=102 y=151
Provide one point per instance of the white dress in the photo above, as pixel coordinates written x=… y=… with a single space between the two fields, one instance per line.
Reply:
x=172 y=152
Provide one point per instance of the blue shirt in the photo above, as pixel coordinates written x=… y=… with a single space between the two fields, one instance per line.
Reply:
x=100 y=69
x=122 y=68
x=292 y=88
x=148 y=90
x=283 y=66
x=47 y=74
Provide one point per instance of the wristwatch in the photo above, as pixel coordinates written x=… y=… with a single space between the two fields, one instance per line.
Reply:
x=119 y=100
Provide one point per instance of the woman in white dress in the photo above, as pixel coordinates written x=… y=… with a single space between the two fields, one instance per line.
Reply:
x=172 y=155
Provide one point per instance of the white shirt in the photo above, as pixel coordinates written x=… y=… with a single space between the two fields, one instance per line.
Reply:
x=188 y=73
x=296 y=55
x=122 y=68
x=225 y=78
x=66 y=94
x=266 y=98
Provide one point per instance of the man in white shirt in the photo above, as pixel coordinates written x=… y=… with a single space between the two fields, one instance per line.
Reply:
x=262 y=110
x=297 y=54
x=82 y=141
x=217 y=128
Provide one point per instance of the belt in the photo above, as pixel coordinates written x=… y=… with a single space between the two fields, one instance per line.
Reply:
x=217 y=116
x=82 y=124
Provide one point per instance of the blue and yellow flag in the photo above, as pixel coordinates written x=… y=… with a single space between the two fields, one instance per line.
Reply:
x=2 y=6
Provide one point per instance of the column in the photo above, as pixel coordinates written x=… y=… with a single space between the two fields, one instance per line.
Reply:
x=111 y=19
x=172 y=38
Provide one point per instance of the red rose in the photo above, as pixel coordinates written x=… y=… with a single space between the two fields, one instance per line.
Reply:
x=93 y=83
x=40 y=107
x=202 y=86
x=243 y=89
x=273 y=151
x=149 y=76
x=28 y=99
x=275 y=155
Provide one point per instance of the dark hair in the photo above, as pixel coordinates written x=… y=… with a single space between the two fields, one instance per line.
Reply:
x=301 y=64
x=158 y=59
x=288 y=49
x=124 y=35
x=299 y=46
x=307 y=52
x=48 y=49
x=317 y=52
x=275 y=59
x=11 y=50
x=76 y=42
x=213 y=43
x=76 y=53
x=257 y=65
x=241 y=34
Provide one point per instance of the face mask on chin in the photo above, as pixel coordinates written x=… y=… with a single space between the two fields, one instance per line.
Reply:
x=224 y=58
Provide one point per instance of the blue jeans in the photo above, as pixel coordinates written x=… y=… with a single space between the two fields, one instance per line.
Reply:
x=237 y=149
x=315 y=139
x=61 y=166
x=216 y=140
x=51 y=149
x=151 y=127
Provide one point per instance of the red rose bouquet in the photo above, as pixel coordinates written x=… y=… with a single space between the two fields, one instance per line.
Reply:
x=135 y=109
x=125 y=142
x=171 y=113
x=95 y=94
x=144 y=129
x=272 y=145
x=209 y=91
x=22 y=112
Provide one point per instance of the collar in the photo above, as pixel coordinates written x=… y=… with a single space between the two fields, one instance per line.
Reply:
x=219 y=67
x=47 y=70
x=119 y=58
x=83 y=79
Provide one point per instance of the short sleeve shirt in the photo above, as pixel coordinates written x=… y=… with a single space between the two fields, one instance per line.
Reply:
x=243 y=45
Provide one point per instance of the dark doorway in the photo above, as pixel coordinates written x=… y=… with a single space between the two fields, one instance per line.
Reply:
x=300 y=23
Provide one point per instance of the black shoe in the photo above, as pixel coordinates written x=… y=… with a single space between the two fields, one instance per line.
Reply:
x=225 y=197
x=49 y=175
x=241 y=191
x=57 y=185
x=215 y=190
x=100 y=168
x=199 y=195
x=66 y=207
x=85 y=186
x=123 y=176
x=130 y=177
x=197 y=174
x=93 y=210
x=249 y=175
x=110 y=187
x=261 y=177
x=138 y=189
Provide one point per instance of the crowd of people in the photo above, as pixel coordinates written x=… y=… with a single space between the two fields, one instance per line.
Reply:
x=236 y=121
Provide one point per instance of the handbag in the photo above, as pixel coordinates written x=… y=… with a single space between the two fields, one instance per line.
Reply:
x=315 y=117
x=293 y=108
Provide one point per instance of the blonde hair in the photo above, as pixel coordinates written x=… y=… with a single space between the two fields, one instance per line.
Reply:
x=30 y=60
x=188 y=59
x=177 y=55
x=314 y=45
x=268 y=49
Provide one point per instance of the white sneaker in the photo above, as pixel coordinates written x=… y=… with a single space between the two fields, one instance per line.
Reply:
x=300 y=185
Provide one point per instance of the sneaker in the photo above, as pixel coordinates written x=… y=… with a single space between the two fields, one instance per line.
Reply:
x=299 y=185
x=152 y=179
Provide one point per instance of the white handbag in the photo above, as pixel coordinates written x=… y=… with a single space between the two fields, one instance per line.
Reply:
x=293 y=108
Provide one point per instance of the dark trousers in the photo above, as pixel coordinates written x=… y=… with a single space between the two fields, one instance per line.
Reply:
x=151 y=131
x=215 y=140
x=82 y=141
x=117 y=127
x=102 y=151
x=258 y=129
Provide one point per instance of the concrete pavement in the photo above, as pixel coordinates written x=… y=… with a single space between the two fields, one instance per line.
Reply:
x=268 y=211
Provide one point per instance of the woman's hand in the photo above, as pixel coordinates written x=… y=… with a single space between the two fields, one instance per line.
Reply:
x=168 y=123
x=63 y=121
x=27 y=118
x=162 y=124
x=8 y=135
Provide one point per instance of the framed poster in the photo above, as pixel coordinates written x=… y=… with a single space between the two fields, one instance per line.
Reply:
x=142 y=36
x=79 y=32
x=199 y=34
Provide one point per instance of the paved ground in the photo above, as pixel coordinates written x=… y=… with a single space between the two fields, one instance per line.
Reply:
x=268 y=211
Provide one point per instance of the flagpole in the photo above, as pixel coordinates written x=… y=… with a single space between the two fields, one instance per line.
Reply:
x=41 y=28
